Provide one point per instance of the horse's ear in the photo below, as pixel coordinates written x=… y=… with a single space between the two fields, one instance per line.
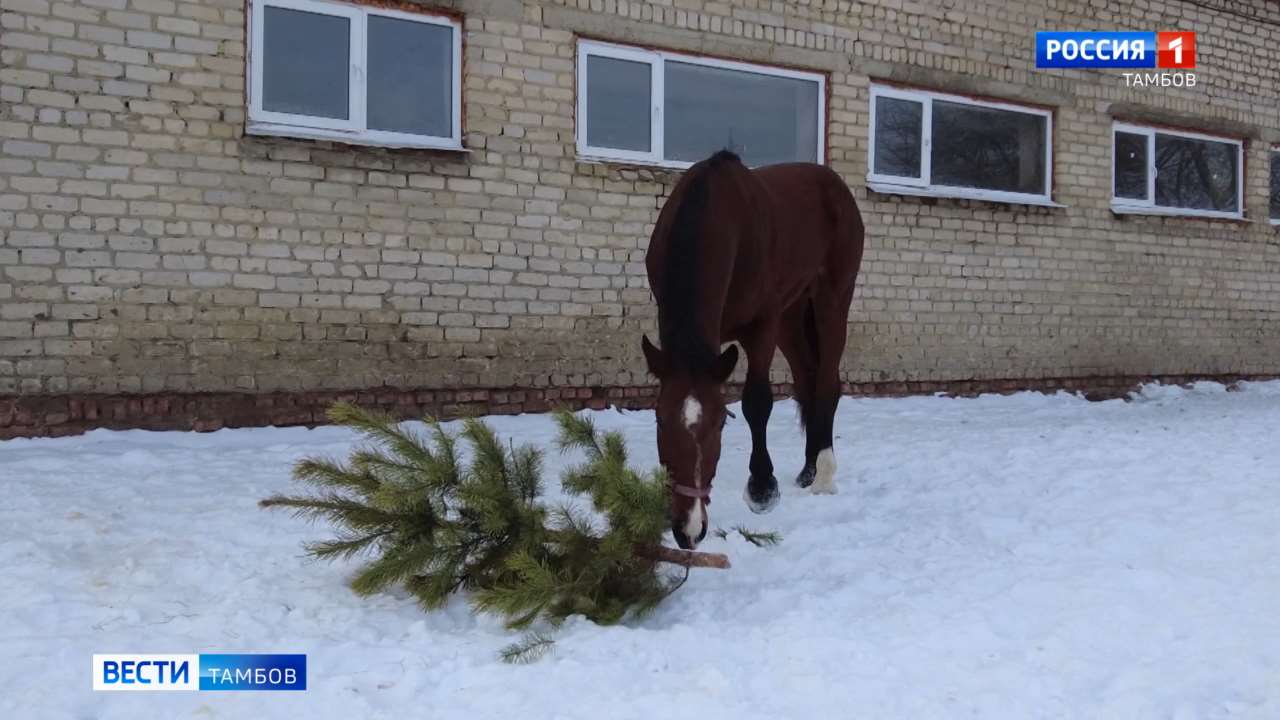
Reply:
x=656 y=359
x=725 y=364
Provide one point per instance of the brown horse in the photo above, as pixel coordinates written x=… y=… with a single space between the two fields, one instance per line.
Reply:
x=766 y=258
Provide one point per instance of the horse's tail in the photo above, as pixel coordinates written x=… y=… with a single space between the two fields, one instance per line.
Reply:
x=804 y=391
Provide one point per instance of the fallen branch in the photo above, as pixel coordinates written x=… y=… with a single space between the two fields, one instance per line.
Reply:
x=687 y=558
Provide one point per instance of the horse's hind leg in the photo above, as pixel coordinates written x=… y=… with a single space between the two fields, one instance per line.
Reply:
x=757 y=403
x=832 y=315
x=799 y=343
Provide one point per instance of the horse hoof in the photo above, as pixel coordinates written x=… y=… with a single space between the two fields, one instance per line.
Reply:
x=823 y=488
x=762 y=500
x=806 y=476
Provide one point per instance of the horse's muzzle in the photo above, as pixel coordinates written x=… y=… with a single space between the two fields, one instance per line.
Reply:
x=688 y=532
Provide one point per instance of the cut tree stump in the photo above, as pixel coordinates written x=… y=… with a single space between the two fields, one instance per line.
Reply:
x=687 y=558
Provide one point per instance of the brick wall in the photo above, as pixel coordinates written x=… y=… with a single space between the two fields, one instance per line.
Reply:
x=149 y=247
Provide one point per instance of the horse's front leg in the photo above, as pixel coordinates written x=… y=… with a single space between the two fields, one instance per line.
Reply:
x=757 y=403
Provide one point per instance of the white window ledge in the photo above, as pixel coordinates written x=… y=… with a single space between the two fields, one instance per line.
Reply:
x=594 y=159
x=371 y=138
x=1274 y=221
x=1121 y=209
x=963 y=194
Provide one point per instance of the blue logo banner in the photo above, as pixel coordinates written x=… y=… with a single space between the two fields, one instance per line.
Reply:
x=253 y=672
x=134 y=672
x=1077 y=49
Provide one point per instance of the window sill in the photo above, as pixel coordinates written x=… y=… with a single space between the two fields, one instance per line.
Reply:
x=961 y=194
x=386 y=140
x=593 y=159
x=1176 y=212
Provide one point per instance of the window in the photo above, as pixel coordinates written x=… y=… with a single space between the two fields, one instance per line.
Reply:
x=667 y=109
x=928 y=143
x=353 y=73
x=1175 y=172
x=1275 y=186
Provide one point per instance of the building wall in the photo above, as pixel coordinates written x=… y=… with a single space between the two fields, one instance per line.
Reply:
x=147 y=245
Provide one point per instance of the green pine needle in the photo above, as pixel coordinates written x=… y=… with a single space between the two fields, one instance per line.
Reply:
x=340 y=510
x=327 y=474
x=531 y=648
x=344 y=547
x=577 y=432
x=759 y=539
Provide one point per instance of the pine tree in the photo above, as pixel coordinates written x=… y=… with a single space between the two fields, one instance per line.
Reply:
x=435 y=524
x=430 y=524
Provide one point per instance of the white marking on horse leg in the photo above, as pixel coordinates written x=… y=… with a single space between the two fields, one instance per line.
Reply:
x=692 y=412
x=693 y=523
x=825 y=481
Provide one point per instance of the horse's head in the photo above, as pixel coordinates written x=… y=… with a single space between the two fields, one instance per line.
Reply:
x=691 y=414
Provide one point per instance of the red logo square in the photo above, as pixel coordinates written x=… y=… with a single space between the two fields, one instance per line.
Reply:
x=1176 y=50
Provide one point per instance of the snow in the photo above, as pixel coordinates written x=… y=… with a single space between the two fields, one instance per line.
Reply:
x=1023 y=556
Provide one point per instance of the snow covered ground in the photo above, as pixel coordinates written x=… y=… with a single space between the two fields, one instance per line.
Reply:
x=1026 y=556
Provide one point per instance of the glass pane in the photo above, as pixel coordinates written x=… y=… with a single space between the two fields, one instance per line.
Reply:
x=763 y=118
x=619 y=103
x=986 y=148
x=1195 y=174
x=1131 y=166
x=306 y=61
x=898 y=136
x=410 y=77
x=1275 y=186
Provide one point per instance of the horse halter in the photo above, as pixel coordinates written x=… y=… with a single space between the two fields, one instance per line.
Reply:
x=702 y=493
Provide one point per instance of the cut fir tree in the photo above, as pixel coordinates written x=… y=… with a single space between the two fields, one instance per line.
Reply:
x=438 y=525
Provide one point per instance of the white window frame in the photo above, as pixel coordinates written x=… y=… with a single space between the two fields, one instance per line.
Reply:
x=1148 y=206
x=1272 y=157
x=923 y=185
x=656 y=59
x=355 y=129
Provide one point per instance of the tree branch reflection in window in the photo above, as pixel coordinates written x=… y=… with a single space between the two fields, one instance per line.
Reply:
x=1196 y=174
x=988 y=148
x=1131 y=165
x=898 y=137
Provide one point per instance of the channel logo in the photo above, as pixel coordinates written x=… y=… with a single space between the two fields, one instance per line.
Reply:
x=253 y=672
x=145 y=673
x=1176 y=50
x=1072 y=49
x=151 y=673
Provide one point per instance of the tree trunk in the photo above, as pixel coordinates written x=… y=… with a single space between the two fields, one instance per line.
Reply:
x=687 y=558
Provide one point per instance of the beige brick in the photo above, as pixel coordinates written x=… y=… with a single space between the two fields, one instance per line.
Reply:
x=126 y=187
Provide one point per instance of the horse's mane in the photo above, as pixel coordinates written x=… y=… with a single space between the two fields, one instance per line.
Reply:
x=679 y=316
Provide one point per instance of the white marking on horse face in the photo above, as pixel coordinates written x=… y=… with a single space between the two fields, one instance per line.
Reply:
x=825 y=481
x=693 y=523
x=692 y=412
x=692 y=415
